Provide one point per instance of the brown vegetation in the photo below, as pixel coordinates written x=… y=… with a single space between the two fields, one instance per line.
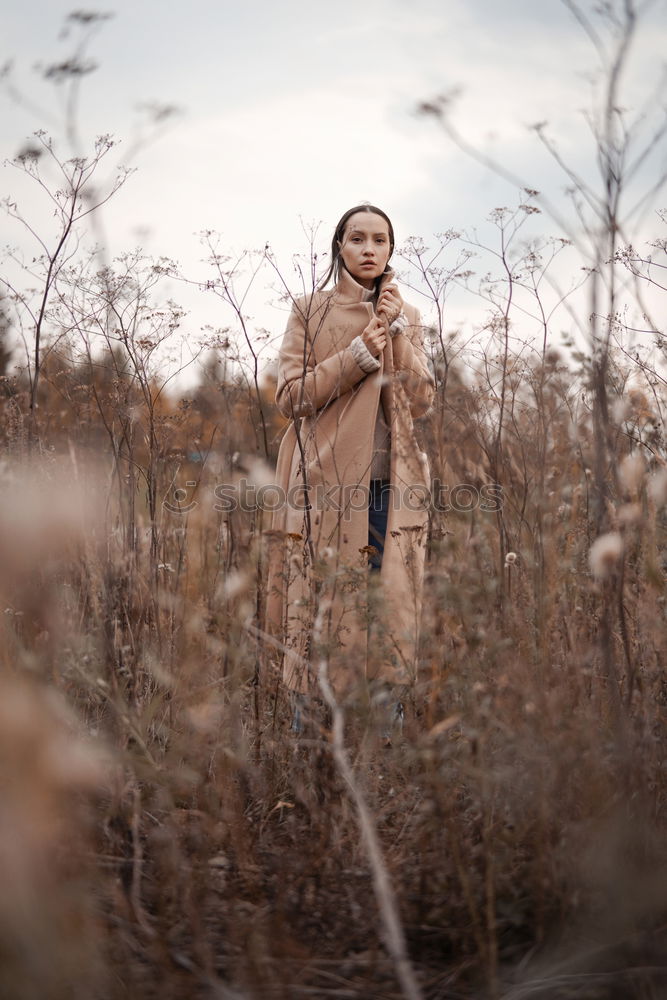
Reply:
x=162 y=833
x=521 y=822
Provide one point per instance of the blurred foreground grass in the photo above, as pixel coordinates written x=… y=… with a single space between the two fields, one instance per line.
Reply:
x=163 y=835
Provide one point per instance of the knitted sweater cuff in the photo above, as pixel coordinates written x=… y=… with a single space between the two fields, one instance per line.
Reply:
x=399 y=324
x=363 y=356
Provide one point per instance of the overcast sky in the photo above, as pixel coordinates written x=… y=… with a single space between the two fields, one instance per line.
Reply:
x=296 y=110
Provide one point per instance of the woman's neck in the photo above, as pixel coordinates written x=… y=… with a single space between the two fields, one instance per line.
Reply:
x=369 y=285
x=352 y=289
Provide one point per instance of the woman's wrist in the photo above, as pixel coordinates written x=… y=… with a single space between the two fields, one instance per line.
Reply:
x=363 y=356
x=398 y=325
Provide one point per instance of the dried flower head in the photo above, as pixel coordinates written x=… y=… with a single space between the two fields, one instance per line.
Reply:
x=629 y=513
x=605 y=553
x=620 y=408
x=631 y=472
x=657 y=487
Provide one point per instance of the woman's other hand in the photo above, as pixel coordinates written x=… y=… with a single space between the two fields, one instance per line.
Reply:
x=390 y=304
x=375 y=336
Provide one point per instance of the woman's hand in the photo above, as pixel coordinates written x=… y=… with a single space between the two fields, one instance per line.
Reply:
x=375 y=336
x=390 y=304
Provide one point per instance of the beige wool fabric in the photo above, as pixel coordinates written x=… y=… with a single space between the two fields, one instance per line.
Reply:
x=318 y=562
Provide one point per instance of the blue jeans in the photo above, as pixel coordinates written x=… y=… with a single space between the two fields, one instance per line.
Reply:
x=378 y=511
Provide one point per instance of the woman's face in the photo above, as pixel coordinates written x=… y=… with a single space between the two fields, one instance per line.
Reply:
x=365 y=247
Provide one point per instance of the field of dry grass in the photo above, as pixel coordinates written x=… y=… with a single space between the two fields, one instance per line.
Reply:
x=162 y=832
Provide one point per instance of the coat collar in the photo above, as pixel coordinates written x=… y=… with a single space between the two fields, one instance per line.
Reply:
x=349 y=291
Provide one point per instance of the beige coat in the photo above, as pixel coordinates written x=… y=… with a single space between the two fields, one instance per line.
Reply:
x=318 y=561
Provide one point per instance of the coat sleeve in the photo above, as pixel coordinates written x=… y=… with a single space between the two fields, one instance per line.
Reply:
x=411 y=368
x=303 y=385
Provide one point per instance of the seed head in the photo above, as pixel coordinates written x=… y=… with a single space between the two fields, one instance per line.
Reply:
x=657 y=487
x=631 y=472
x=605 y=553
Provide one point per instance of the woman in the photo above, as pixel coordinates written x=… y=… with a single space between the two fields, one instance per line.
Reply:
x=352 y=376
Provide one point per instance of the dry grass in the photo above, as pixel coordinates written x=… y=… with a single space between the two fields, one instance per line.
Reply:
x=164 y=835
x=162 y=832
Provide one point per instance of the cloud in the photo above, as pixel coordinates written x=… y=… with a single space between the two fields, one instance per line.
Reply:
x=298 y=111
x=249 y=172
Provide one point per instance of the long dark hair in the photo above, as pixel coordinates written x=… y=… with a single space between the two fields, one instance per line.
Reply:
x=336 y=260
